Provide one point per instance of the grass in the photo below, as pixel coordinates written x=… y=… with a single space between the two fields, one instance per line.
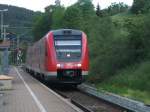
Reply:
x=132 y=82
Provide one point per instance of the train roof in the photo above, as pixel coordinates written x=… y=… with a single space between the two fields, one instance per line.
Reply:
x=66 y=32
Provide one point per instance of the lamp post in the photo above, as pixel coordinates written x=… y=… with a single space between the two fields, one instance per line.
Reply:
x=1 y=11
x=4 y=32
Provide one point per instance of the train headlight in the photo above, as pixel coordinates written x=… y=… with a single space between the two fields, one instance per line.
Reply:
x=79 y=65
x=58 y=65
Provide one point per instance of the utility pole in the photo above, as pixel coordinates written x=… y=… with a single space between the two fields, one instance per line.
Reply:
x=2 y=16
x=18 y=42
x=17 y=50
x=4 y=28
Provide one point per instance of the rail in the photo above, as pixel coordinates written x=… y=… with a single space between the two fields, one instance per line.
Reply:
x=129 y=104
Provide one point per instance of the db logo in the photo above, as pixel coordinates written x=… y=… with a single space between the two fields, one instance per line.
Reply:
x=70 y=64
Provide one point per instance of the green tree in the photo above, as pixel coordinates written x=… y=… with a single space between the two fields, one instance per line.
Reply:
x=116 y=8
x=98 y=11
x=107 y=49
x=87 y=13
x=72 y=18
x=52 y=18
x=140 y=6
x=86 y=8
x=42 y=26
x=138 y=38
x=57 y=17
x=135 y=39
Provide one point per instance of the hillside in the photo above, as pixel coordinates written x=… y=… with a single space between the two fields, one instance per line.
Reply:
x=18 y=17
x=133 y=80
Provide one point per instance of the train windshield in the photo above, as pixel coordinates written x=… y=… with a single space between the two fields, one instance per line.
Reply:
x=68 y=49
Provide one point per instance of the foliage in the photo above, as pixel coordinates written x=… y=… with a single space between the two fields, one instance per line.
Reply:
x=113 y=9
x=116 y=8
x=140 y=6
x=19 y=16
x=117 y=40
x=113 y=44
x=72 y=18
x=139 y=41
x=106 y=47
x=86 y=7
x=87 y=13
x=57 y=16
x=42 y=26
x=98 y=11
x=132 y=82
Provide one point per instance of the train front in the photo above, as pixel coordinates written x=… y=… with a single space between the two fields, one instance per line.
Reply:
x=71 y=56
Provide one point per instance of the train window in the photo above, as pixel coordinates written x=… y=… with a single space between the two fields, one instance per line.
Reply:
x=68 y=49
x=67 y=42
x=46 y=52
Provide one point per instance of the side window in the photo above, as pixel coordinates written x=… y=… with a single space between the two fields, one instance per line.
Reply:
x=45 y=47
x=46 y=54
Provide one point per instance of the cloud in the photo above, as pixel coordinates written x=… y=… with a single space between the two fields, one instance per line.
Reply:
x=39 y=5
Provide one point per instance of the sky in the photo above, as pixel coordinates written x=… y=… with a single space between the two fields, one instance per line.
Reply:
x=39 y=5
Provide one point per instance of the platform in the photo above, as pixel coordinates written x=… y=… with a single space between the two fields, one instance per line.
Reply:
x=29 y=95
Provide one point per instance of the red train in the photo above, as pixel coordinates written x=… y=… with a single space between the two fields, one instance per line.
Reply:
x=61 y=56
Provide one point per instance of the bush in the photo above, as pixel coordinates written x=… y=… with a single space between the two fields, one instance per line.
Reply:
x=108 y=50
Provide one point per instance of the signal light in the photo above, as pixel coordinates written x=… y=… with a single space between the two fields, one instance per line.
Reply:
x=58 y=65
x=79 y=65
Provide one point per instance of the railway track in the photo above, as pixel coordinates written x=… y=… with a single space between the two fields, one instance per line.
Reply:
x=85 y=101
x=91 y=100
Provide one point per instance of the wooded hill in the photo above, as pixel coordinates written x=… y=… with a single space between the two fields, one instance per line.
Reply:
x=17 y=16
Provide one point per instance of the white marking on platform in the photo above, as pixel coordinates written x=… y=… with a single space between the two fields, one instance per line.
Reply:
x=64 y=100
x=61 y=98
x=40 y=106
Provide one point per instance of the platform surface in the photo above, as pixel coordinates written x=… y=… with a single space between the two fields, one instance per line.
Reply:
x=29 y=95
